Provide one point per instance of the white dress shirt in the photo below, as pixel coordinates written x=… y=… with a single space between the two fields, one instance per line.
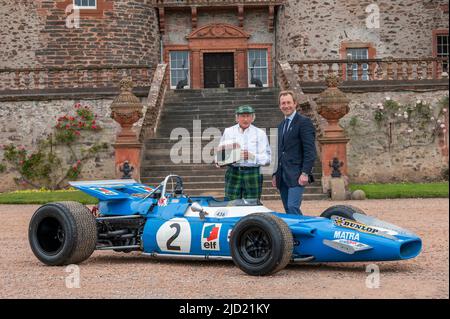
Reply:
x=252 y=139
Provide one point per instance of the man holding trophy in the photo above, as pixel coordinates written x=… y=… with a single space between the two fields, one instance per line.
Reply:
x=243 y=148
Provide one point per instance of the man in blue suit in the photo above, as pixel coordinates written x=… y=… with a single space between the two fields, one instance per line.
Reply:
x=296 y=154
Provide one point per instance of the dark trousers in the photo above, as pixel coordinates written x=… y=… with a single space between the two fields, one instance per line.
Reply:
x=291 y=197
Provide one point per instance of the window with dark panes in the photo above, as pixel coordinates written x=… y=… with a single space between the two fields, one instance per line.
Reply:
x=442 y=49
x=257 y=67
x=85 y=4
x=179 y=69
x=358 y=54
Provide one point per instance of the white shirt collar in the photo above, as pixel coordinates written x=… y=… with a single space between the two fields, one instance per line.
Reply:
x=243 y=131
x=291 y=117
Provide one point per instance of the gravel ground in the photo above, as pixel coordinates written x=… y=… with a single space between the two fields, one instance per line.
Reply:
x=118 y=275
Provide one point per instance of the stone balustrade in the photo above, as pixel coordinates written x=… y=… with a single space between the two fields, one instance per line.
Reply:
x=390 y=69
x=152 y=109
x=182 y=3
x=73 y=77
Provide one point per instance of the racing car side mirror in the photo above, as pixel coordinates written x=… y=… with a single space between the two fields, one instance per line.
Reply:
x=196 y=207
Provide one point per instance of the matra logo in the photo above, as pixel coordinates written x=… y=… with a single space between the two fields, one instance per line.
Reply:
x=210 y=236
x=346 y=235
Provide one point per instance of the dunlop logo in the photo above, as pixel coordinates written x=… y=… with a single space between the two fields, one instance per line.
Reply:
x=342 y=222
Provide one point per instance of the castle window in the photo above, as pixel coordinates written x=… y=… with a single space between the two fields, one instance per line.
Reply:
x=442 y=49
x=179 y=69
x=85 y=4
x=257 y=68
x=358 y=54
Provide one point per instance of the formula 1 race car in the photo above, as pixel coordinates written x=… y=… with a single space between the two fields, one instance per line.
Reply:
x=163 y=222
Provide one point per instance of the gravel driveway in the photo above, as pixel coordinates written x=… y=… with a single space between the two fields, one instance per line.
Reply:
x=119 y=275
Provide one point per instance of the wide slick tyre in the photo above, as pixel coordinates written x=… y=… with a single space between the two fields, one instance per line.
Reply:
x=62 y=233
x=261 y=244
x=345 y=211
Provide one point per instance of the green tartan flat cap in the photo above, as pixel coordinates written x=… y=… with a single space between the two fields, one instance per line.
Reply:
x=244 y=109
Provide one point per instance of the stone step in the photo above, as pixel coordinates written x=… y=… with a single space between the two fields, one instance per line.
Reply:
x=203 y=176
x=202 y=105
x=179 y=164
x=167 y=143
x=199 y=178
x=213 y=182
x=224 y=92
x=266 y=190
x=217 y=120
x=195 y=169
x=267 y=186
x=266 y=195
x=214 y=108
x=167 y=131
x=220 y=102
x=220 y=114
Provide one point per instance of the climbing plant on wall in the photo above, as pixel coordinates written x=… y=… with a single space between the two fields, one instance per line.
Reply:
x=60 y=156
x=413 y=124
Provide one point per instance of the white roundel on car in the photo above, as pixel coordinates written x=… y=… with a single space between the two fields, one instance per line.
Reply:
x=174 y=236
x=230 y=211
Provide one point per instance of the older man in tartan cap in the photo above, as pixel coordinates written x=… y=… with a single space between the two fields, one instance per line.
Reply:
x=243 y=178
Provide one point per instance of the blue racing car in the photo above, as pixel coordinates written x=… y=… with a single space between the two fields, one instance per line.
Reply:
x=164 y=222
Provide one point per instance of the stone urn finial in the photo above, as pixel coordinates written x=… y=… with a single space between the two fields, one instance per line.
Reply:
x=333 y=104
x=126 y=110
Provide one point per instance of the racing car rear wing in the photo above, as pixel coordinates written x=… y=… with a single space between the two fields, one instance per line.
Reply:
x=115 y=189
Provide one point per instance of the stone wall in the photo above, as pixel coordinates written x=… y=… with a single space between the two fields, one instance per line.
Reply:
x=373 y=156
x=35 y=33
x=20 y=28
x=315 y=29
x=35 y=121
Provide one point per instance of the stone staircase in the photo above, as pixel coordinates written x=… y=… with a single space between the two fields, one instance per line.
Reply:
x=215 y=109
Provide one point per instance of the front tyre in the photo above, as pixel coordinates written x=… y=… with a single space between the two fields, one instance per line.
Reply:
x=345 y=211
x=62 y=233
x=261 y=244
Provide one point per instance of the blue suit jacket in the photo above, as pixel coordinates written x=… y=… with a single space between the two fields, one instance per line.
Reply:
x=297 y=153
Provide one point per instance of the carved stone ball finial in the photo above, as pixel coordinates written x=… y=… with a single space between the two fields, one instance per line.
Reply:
x=126 y=84
x=332 y=81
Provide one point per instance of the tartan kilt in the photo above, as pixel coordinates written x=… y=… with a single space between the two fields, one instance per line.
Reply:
x=243 y=183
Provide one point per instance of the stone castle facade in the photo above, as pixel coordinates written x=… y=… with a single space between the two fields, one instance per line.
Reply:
x=48 y=62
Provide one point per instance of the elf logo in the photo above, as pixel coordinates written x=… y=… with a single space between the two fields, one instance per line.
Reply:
x=210 y=236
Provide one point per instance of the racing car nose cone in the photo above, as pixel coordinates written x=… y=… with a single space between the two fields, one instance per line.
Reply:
x=410 y=249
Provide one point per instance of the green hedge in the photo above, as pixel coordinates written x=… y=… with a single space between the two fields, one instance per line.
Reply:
x=403 y=190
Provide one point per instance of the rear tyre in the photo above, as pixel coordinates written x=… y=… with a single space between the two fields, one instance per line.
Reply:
x=62 y=233
x=261 y=244
x=345 y=211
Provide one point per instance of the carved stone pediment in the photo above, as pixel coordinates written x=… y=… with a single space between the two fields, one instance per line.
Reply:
x=218 y=30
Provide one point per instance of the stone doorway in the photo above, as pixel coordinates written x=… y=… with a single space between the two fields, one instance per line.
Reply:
x=218 y=70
